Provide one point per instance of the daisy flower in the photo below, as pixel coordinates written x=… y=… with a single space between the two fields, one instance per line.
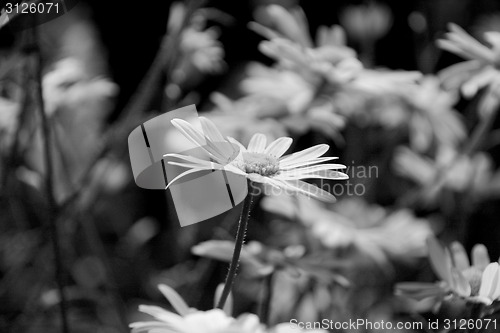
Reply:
x=481 y=68
x=427 y=111
x=446 y=170
x=476 y=283
x=386 y=237
x=191 y=320
x=259 y=162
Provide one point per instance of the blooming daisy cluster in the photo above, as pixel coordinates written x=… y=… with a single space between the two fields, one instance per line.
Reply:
x=272 y=223
x=476 y=283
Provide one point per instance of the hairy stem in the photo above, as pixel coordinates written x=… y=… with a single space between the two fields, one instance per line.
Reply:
x=240 y=239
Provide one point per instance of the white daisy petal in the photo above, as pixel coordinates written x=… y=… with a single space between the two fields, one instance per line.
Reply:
x=211 y=130
x=309 y=190
x=279 y=146
x=185 y=173
x=257 y=143
x=304 y=155
x=153 y=326
x=480 y=257
x=220 y=151
x=189 y=132
x=459 y=283
x=233 y=169
x=478 y=81
x=236 y=142
x=490 y=281
x=257 y=178
x=216 y=151
x=187 y=158
x=315 y=168
x=274 y=182
x=161 y=314
x=322 y=174
x=300 y=164
x=175 y=299
x=211 y=165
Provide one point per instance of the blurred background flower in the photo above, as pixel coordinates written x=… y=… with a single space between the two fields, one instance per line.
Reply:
x=414 y=120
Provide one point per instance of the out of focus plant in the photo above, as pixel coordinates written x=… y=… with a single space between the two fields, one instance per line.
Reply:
x=212 y=321
x=478 y=283
x=386 y=237
x=312 y=86
x=480 y=69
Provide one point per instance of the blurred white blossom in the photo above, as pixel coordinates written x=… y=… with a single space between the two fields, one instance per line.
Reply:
x=383 y=235
x=190 y=320
x=8 y=119
x=428 y=113
x=474 y=174
x=366 y=21
x=481 y=68
x=69 y=85
x=200 y=51
x=476 y=283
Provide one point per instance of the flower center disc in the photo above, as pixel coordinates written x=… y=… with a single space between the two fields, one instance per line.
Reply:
x=262 y=164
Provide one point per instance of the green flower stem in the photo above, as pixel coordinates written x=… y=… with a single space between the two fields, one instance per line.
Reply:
x=240 y=239
x=265 y=306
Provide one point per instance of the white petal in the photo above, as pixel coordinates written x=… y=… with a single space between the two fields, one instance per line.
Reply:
x=188 y=158
x=189 y=132
x=233 y=169
x=210 y=130
x=308 y=190
x=257 y=143
x=440 y=259
x=469 y=43
x=255 y=177
x=279 y=146
x=480 y=257
x=300 y=164
x=315 y=168
x=236 y=142
x=322 y=174
x=175 y=299
x=220 y=151
x=217 y=151
x=490 y=281
x=459 y=283
x=153 y=326
x=185 y=173
x=478 y=81
x=161 y=314
x=305 y=155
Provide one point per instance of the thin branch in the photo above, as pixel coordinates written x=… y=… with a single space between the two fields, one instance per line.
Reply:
x=49 y=182
x=133 y=113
